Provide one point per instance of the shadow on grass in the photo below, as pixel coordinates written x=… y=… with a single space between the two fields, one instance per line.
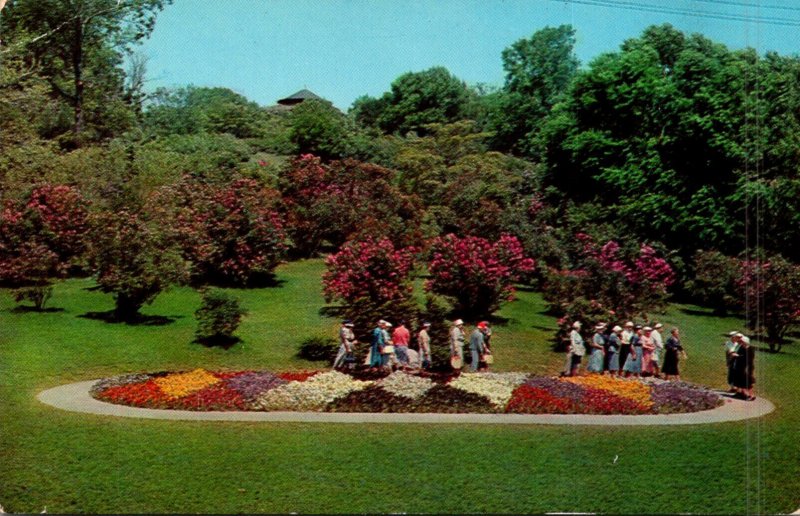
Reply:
x=218 y=342
x=140 y=320
x=25 y=309
x=332 y=311
x=701 y=313
x=267 y=280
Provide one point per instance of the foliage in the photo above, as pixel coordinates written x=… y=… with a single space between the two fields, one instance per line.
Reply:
x=218 y=316
x=317 y=127
x=415 y=100
x=42 y=237
x=319 y=348
x=372 y=277
x=133 y=259
x=337 y=201
x=608 y=283
x=769 y=288
x=232 y=233
x=478 y=274
x=715 y=280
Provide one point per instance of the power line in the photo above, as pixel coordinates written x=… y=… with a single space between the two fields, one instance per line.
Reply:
x=748 y=4
x=634 y=6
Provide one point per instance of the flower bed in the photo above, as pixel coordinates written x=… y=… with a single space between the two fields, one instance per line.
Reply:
x=334 y=391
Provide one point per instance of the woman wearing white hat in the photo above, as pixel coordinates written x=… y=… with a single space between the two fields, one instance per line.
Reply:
x=625 y=343
x=614 y=343
x=457 y=342
x=576 y=348
x=597 y=344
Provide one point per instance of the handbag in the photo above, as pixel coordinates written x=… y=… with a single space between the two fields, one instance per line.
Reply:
x=455 y=362
x=388 y=349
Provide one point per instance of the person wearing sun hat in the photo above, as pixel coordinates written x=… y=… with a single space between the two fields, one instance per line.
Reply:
x=597 y=354
x=648 y=347
x=457 y=338
x=576 y=348
x=633 y=364
x=614 y=344
x=731 y=347
x=476 y=346
x=347 y=340
x=658 y=352
x=377 y=342
x=625 y=342
x=424 y=343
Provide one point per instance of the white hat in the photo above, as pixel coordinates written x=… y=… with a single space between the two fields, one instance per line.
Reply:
x=658 y=325
x=746 y=339
x=629 y=324
x=382 y=322
x=458 y=322
x=576 y=324
x=389 y=324
x=733 y=334
x=647 y=328
x=599 y=326
x=616 y=328
x=739 y=334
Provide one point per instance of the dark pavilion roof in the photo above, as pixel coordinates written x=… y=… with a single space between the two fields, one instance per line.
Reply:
x=299 y=97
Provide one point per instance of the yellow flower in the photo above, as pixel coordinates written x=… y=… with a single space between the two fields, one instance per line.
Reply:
x=181 y=384
x=629 y=388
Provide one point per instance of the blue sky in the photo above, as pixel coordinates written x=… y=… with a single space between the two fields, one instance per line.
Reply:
x=341 y=49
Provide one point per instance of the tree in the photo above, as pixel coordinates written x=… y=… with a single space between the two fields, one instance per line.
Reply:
x=769 y=289
x=373 y=278
x=417 y=99
x=218 y=317
x=317 y=127
x=715 y=280
x=342 y=199
x=79 y=43
x=42 y=238
x=476 y=273
x=134 y=259
x=538 y=70
x=231 y=233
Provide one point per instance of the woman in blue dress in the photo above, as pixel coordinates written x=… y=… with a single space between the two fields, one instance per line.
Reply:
x=377 y=343
x=598 y=351
x=614 y=342
x=633 y=364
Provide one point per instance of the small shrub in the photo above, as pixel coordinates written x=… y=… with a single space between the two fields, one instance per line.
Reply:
x=218 y=317
x=319 y=348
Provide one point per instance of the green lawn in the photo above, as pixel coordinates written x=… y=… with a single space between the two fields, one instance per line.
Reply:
x=78 y=463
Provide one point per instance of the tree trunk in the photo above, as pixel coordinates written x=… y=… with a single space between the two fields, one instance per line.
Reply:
x=77 y=73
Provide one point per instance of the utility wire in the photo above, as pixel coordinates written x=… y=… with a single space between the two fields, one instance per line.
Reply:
x=634 y=6
x=748 y=4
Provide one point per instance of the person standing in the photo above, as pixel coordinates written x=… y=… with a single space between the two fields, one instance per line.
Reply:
x=377 y=342
x=743 y=369
x=576 y=348
x=400 y=338
x=672 y=351
x=487 y=348
x=476 y=346
x=388 y=357
x=648 y=347
x=424 y=341
x=457 y=338
x=658 y=352
x=614 y=343
x=633 y=364
x=595 y=364
x=347 y=340
x=731 y=347
x=625 y=343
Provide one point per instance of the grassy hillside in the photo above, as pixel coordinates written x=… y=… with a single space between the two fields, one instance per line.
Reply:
x=80 y=463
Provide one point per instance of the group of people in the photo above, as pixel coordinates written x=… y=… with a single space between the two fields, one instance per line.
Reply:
x=391 y=349
x=632 y=350
x=740 y=358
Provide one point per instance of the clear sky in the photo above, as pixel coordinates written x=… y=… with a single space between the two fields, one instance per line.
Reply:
x=341 y=49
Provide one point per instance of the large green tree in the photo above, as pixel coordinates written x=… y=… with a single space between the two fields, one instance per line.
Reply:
x=77 y=45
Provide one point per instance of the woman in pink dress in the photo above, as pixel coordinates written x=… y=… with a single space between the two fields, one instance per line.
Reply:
x=648 y=346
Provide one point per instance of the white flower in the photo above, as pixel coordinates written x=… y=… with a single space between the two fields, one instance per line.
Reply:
x=312 y=394
x=498 y=387
x=406 y=385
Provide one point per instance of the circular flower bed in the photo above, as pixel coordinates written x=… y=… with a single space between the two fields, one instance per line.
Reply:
x=334 y=391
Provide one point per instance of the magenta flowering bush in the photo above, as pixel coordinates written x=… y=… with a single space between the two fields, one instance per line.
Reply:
x=607 y=283
x=478 y=274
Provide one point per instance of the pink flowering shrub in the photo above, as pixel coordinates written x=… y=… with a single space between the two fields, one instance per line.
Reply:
x=343 y=200
x=41 y=238
x=231 y=233
x=371 y=276
x=607 y=284
x=478 y=274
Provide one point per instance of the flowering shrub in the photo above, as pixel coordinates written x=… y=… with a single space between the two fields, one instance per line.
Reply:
x=477 y=273
x=608 y=283
x=406 y=385
x=181 y=384
x=313 y=394
x=230 y=233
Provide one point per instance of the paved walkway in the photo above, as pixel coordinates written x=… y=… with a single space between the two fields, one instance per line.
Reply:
x=75 y=397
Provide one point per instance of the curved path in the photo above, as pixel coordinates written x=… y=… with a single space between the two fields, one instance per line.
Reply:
x=75 y=397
